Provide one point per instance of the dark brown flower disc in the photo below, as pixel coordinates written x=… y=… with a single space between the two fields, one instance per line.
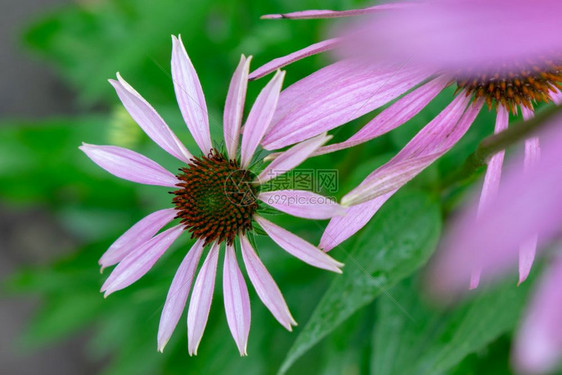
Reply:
x=516 y=87
x=216 y=199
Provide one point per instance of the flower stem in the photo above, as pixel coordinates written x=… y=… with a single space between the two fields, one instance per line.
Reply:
x=498 y=142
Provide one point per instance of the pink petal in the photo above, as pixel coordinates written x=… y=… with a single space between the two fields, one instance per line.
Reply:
x=529 y=203
x=527 y=252
x=335 y=95
x=292 y=158
x=129 y=165
x=236 y=301
x=491 y=180
x=308 y=14
x=190 y=96
x=298 y=247
x=138 y=234
x=149 y=120
x=200 y=303
x=434 y=140
x=556 y=96
x=259 y=119
x=177 y=294
x=234 y=106
x=302 y=203
x=494 y=171
x=280 y=62
x=140 y=261
x=538 y=346
x=265 y=286
x=341 y=228
x=478 y=35
x=528 y=249
x=392 y=117
x=388 y=179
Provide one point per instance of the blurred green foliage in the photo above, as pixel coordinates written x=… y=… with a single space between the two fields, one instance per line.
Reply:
x=357 y=323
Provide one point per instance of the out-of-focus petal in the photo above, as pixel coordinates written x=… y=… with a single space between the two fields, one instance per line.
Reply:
x=478 y=35
x=491 y=179
x=529 y=203
x=265 y=286
x=298 y=247
x=259 y=119
x=234 y=106
x=140 y=261
x=177 y=294
x=309 y=14
x=280 y=62
x=538 y=347
x=129 y=165
x=302 y=203
x=149 y=120
x=236 y=301
x=190 y=96
x=397 y=114
x=200 y=303
x=335 y=95
x=138 y=234
x=292 y=158
x=341 y=228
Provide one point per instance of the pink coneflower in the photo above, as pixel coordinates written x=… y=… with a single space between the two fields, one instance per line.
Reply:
x=217 y=197
x=529 y=203
x=424 y=48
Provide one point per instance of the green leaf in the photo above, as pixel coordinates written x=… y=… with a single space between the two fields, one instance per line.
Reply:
x=392 y=246
x=429 y=341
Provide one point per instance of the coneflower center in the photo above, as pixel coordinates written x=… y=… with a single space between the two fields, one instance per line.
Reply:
x=216 y=198
x=516 y=87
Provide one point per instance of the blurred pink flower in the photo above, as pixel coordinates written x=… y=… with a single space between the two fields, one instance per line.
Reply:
x=529 y=203
x=217 y=199
x=407 y=53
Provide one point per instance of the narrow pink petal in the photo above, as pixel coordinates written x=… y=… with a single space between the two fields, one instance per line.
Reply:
x=491 y=181
x=528 y=249
x=292 y=158
x=149 y=120
x=129 y=165
x=298 y=247
x=388 y=179
x=190 y=96
x=278 y=63
x=309 y=14
x=335 y=95
x=556 y=96
x=475 y=279
x=300 y=203
x=527 y=252
x=538 y=347
x=234 y=106
x=138 y=234
x=200 y=303
x=493 y=173
x=259 y=119
x=265 y=286
x=392 y=117
x=341 y=228
x=177 y=294
x=236 y=301
x=140 y=261
x=434 y=140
